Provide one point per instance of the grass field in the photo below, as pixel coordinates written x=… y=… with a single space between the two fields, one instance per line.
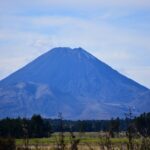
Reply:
x=88 y=141
x=92 y=137
x=67 y=140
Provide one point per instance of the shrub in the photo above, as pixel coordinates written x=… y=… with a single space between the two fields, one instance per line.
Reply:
x=7 y=144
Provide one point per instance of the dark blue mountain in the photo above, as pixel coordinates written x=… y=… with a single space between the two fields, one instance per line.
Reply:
x=73 y=82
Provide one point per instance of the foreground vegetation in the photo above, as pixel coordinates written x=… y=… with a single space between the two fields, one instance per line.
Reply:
x=86 y=141
x=37 y=133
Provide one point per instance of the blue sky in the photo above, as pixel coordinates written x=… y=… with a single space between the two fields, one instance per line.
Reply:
x=115 y=31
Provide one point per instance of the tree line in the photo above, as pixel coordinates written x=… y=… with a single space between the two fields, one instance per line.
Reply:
x=22 y=127
x=38 y=127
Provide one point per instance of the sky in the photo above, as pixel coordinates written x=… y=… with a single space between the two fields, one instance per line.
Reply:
x=115 y=31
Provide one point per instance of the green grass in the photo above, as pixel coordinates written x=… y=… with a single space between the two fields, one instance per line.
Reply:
x=92 y=137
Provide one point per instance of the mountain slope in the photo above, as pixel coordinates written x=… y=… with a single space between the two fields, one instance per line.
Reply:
x=70 y=81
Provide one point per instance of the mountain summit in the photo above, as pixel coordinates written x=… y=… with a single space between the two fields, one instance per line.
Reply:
x=73 y=82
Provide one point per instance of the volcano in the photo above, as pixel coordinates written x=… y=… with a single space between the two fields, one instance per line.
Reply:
x=73 y=82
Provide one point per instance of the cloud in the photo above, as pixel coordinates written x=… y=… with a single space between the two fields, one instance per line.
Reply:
x=106 y=41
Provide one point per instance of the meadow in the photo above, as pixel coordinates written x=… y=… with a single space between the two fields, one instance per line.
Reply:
x=86 y=141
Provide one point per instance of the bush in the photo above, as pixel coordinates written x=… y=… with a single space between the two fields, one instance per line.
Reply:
x=7 y=144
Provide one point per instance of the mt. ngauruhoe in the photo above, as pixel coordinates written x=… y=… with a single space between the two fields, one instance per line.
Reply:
x=73 y=82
